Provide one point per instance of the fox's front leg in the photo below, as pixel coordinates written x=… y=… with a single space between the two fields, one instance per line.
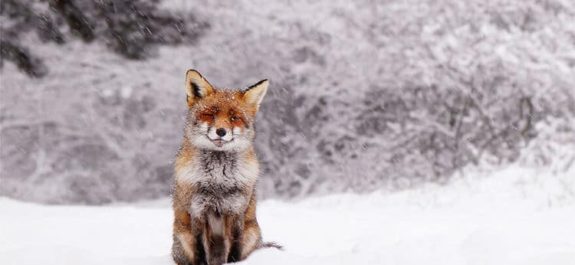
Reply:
x=215 y=239
x=234 y=231
x=187 y=248
x=251 y=237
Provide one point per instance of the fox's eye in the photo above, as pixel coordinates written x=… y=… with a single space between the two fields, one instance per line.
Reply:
x=207 y=116
x=234 y=118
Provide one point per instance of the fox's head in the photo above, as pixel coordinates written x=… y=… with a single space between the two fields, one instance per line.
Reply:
x=221 y=119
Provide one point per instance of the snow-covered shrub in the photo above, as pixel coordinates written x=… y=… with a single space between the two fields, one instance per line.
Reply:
x=363 y=95
x=431 y=87
x=130 y=28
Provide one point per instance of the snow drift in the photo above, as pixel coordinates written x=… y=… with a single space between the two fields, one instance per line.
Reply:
x=515 y=216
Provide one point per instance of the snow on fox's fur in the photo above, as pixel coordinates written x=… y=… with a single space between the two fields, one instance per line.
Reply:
x=216 y=171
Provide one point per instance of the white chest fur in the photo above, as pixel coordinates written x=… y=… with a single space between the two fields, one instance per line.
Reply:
x=221 y=181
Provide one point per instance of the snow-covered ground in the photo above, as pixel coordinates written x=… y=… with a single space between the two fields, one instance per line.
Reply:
x=513 y=216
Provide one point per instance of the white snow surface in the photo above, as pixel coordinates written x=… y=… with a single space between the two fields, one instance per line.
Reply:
x=515 y=215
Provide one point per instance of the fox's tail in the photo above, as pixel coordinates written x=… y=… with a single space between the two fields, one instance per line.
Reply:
x=270 y=245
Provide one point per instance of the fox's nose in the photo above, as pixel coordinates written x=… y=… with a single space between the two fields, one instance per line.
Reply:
x=221 y=132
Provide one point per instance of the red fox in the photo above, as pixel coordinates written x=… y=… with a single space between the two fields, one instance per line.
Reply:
x=216 y=171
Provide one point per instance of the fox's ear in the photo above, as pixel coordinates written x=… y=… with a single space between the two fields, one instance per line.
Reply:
x=255 y=94
x=197 y=86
